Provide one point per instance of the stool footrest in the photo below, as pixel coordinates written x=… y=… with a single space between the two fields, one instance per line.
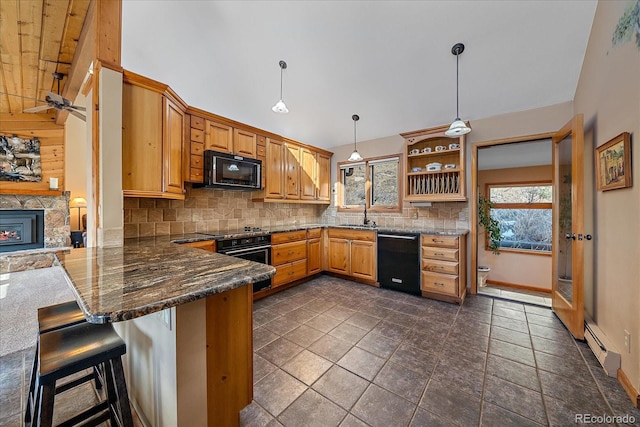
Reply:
x=101 y=407
x=71 y=384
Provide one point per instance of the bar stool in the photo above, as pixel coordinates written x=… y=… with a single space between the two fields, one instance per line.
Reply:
x=52 y=318
x=74 y=349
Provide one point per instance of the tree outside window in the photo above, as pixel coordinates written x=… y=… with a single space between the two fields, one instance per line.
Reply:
x=374 y=183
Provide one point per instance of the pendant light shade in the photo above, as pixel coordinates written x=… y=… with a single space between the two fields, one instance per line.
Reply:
x=355 y=156
x=458 y=127
x=280 y=107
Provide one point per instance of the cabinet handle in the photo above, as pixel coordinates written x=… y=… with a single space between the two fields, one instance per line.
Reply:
x=437 y=241
x=438 y=254
x=438 y=284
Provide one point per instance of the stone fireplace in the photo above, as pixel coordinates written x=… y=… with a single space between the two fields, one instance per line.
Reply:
x=20 y=215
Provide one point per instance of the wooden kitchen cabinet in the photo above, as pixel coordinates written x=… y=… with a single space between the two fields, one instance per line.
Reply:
x=292 y=171
x=314 y=251
x=308 y=174
x=352 y=253
x=323 y=177
x=153 y=139
x=207 y=245
x=428 y=147
x=218 y=137
x=273 y=169
x=289 y=256
x=443 y=267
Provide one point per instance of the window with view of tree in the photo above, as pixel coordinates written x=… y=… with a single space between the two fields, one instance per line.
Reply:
x=374 y=183
x=524 y=214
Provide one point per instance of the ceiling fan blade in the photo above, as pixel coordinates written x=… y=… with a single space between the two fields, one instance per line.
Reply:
x=77 y=107
x=37 y=109
x=78 y=115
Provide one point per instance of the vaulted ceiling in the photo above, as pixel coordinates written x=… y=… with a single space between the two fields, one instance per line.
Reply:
x=388 y=61
x=37 y=38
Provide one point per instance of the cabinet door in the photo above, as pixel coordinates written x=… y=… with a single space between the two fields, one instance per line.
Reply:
x=308 y=174
x=314 y=256
x=218 y=137
x=338 y=256
x=323 y=177
x=173 y=136
x=274 y=169
x=292 y=167
x=363 y=259
x=244 y=143
x=141 y=139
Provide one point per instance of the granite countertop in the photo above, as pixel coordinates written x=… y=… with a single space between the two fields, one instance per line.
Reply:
x=150 y=274
x=236 y=234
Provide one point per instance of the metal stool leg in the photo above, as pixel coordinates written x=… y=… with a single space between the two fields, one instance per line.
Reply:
x=121 y=390
x=32 y=387
x=45 y=406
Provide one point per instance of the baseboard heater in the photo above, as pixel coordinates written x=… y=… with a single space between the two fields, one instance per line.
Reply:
x=602 y=348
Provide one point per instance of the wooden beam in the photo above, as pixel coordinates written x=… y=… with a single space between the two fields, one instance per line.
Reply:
x=10 y=53
x=53 y=23
x=109 y=33
x=84 y=53
x=30 y=32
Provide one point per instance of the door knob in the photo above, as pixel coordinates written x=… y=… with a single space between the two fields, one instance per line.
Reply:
x=570 y=236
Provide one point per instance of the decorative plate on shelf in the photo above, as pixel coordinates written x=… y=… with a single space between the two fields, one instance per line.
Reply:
x=416 y=169
x=434 y=166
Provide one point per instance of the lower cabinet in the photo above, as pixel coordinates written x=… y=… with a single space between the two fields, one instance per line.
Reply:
x=314 y=251
x=443 y=267
x=352 y=253
x=207 y=245
x=289 y=256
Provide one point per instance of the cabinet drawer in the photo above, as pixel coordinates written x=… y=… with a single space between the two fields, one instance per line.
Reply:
x=290 y=236
x=197 y=122
x=443 y=283
x=444 y=254
x=197 y=135
x=438 y=266
x=207 y=245
x=289 y=272
x=441 y=241
x=195 y=175
x=261 y=151
x=197 y=161
x=287 y=252
x=340 y=233
x=197 y=148
x=261 y=140
x=314 y=233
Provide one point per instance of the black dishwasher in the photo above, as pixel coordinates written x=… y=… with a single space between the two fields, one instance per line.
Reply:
x=399 y=261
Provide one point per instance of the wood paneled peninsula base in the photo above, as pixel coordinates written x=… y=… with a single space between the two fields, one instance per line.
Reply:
x=186 y=316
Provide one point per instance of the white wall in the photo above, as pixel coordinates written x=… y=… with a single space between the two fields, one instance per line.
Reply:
x=608 y=94
x=75 y=174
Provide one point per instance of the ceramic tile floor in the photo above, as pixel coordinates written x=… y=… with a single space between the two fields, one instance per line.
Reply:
x=333 y=352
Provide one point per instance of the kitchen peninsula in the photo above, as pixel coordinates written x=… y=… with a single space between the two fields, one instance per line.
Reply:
x=186 y=316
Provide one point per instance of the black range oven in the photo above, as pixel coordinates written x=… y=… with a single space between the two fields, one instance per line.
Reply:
x=252 y=248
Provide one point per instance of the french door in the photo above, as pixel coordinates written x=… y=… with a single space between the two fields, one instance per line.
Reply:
x=569 y=235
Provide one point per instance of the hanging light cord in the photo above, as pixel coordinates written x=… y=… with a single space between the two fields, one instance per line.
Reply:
x=355 y=140
x=457 y=86
x=280 y=82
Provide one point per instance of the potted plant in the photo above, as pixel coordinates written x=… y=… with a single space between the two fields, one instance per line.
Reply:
x=491 y=226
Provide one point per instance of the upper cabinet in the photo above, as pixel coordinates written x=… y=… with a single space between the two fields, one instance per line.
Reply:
x=297 y=173
x=153 y=135
x=435 y=166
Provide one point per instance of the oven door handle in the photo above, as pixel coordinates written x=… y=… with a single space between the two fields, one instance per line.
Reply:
x=244 y=250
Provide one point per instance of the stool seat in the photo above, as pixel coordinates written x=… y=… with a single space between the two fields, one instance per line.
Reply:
x=59 y=316
x=77 y=347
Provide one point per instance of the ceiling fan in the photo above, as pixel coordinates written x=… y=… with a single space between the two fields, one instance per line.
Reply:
x=55 y=100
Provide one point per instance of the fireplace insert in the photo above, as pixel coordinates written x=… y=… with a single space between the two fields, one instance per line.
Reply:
x=21 y=230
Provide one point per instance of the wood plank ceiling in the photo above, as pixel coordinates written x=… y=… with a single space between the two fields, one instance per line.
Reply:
x=37 y=38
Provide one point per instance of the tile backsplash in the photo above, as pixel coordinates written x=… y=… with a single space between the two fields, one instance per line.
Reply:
x=211 y=210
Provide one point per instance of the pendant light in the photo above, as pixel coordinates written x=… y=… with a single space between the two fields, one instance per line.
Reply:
x=458 y=127
x=280 y=108
x=355 y=156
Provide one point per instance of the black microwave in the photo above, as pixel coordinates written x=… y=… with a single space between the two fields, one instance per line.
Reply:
x=226 y=170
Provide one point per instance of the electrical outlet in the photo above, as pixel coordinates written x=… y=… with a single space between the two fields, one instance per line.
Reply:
x=627 y=341
x=415 y=214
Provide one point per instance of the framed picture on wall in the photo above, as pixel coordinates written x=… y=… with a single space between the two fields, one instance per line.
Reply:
x=613 y=163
